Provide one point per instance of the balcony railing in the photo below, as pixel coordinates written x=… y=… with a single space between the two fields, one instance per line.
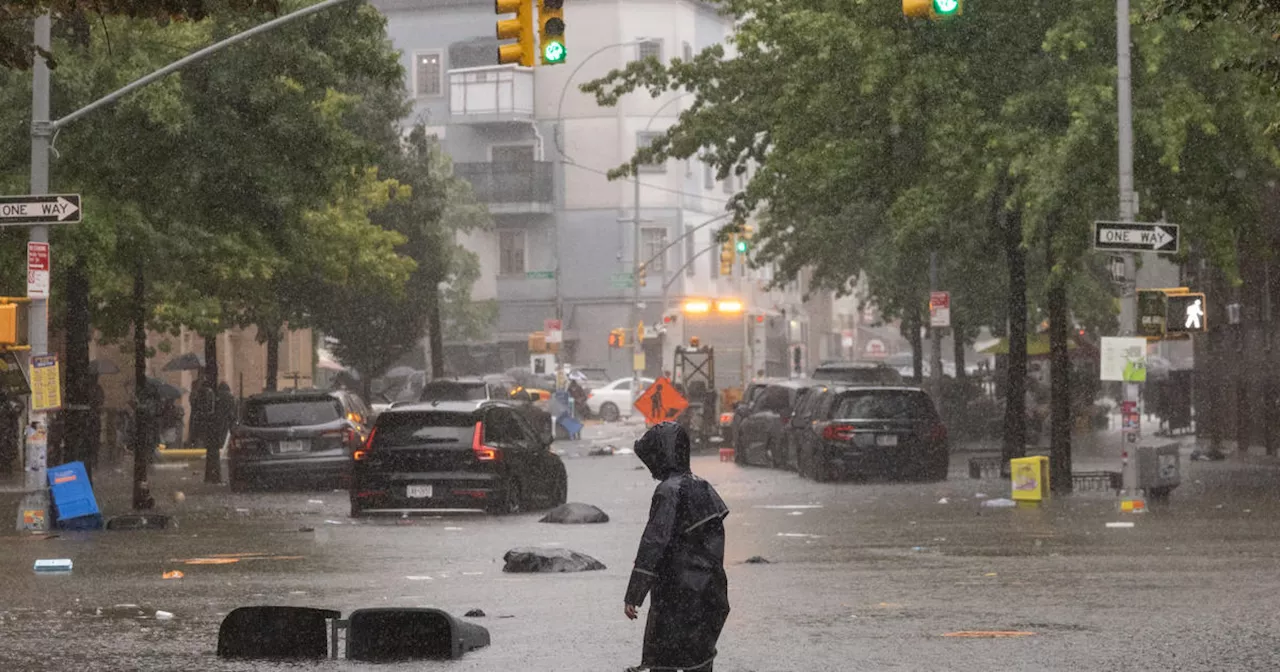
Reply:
x=511 y=188
x=491 y=94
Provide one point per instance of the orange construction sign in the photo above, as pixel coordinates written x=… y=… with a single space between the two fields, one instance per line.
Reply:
x=661 y=402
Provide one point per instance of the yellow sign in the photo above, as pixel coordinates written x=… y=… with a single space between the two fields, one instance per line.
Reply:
x=637 y=361
x=1030 y=478
x=46 y=387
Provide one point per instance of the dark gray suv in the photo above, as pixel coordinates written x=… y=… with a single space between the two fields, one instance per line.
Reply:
x=297 y=437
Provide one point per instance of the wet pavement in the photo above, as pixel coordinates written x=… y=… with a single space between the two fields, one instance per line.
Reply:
x=861 y=576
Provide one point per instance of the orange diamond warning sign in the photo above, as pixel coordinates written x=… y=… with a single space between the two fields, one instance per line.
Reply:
x=661 y=402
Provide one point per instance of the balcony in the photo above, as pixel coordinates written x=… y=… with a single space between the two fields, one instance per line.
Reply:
x=511 y=188
x=493 y=94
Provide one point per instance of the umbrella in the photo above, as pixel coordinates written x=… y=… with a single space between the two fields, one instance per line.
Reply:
x=578 y=376
x=103 y=367
x=400 y=372
x=188 y=361
x=165 y=390
x=326 y=363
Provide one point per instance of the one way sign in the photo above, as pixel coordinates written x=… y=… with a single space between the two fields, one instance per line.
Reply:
x=48 y=209
x=1135 y=237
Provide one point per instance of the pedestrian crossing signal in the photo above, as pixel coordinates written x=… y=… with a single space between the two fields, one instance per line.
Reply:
x=1186 y=314
x=617 y=338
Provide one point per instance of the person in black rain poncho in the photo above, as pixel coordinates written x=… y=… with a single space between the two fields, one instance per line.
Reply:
x=680 y=562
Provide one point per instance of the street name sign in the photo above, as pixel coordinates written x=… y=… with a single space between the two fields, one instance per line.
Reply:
x=1135 y=237
x=48 y=209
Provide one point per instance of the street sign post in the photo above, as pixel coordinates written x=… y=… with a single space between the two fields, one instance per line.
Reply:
x=1135 y=237
x=49 y=209
x=940 y=309
x=37 y=270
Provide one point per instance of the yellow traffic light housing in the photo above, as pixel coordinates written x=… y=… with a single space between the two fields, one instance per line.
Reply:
x=934 y=10
x=551 y=31
x=519 y=29
x=617 y=338
x=727 y=255
x=13 y=322
x=641 y=273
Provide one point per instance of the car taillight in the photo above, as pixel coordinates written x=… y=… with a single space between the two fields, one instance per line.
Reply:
x=348 y=434
x=483 y=453
x=838 y=432
x=726 y=418
x=363 y=453
x=939 y=433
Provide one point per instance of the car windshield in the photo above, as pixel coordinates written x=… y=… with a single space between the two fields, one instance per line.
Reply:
x=448 y=390
x=292 y=412
x=410 y=429
x=883 y=405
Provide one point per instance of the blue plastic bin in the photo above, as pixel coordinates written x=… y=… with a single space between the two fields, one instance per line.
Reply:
x=73 y=495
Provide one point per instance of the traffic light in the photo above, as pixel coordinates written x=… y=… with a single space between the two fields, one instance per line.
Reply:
x=551 y=31
x=744 y=239
x=519 y=29
x=617 y=338
x=934 y=10
x=640 y=274
x=13 y=321
x=727 y=255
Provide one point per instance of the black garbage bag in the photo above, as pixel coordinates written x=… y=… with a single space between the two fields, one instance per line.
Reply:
x=575 y=513
x=548 y=560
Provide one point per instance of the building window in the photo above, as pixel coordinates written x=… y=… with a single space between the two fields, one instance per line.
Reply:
x=644 y=139
x=690 y=251
x=652 y=242
x=688 y=52
x=728 y=184
x=428 y=73
x=708 y=176
x=650 y=49
x=511 y=252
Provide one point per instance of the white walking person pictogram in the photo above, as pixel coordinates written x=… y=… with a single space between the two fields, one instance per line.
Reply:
x=1194 y=313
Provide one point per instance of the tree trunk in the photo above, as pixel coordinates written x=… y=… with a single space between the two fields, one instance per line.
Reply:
x=273 y=359
x=144 y=411
x=435 y=332
x=958 y=344
x=211 y=442
x=80 y=443
x=1015 y=408
x=911 y=322
x=1059 y=376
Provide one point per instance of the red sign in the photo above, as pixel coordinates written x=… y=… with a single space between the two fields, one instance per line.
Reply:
x=38 y=270
x=940 y=300
x=551 y=325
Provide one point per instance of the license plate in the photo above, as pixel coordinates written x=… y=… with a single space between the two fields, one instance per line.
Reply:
x=887 y=440
x=418 y=491
x=293 y=446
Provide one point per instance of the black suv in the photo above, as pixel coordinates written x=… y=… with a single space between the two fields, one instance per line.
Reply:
x=456 y=455
x=892 y=431
x=297 y=436
x=489 y=388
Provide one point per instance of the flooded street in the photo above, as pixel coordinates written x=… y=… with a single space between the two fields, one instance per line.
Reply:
x=860 y=576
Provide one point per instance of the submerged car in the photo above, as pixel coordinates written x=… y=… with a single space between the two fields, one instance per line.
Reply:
x=456 y=455
x=297 y=437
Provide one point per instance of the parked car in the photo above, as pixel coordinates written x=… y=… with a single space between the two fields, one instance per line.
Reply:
x=810 y=402
x=589 y=377
x=890 y=431
x=490 y=388
x=729 y=425
x=760 y=435
x=456 y=455
x=613 y=401
x=858 y=373
x=297 y=436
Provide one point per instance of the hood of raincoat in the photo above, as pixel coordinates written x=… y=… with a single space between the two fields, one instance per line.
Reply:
x=665 y=450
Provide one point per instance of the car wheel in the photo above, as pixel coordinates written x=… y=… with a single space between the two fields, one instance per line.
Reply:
x=609 y=412
x=938 y=468
x=777 y=455
x=357 y=511
x=511 y=501
x=821 y=470
x=560 y=493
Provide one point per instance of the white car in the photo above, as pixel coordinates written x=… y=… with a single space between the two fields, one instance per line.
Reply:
x=613 y=401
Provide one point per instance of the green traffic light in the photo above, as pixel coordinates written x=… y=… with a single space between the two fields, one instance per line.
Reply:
x=945 y=7
x=553 y=52
x=742 y=247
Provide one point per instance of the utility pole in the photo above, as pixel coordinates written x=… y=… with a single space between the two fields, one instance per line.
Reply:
x=935 y=338
x=36 y=449
x=637 y=349
x=1128 y=289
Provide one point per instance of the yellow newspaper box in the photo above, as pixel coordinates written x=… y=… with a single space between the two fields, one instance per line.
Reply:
x=1030 y=478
